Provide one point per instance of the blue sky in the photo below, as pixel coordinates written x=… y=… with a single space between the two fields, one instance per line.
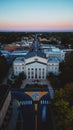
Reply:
x=36 y=15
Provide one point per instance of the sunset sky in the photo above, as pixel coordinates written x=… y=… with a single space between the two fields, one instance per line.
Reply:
x=36 y=15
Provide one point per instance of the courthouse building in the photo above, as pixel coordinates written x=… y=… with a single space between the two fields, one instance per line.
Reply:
x=35 y=64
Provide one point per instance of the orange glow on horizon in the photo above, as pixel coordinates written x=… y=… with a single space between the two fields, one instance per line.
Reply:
x=36 y=26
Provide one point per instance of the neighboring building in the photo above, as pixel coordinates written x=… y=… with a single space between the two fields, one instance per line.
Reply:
x=5 y=99
x=19 y=53
x=26 y=42
x=67 y=50
x=53 y=52
x=11 y=47
x=35 y=64
x=53 y=65
x=5 y=53
x=19 y=65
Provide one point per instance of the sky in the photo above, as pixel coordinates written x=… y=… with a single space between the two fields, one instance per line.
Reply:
x=36 y=15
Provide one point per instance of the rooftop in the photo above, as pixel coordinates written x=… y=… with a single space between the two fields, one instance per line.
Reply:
x=19 y=52
x=46 y=46
x=52 y=60
x=5 y=52
x=51 y=48
x=19 y=59
x=36 y=51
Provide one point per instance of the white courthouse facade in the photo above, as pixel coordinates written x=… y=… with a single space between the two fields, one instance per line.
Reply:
x=35 y=64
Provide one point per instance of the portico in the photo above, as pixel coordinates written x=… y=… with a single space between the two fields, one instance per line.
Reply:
x=36 y=71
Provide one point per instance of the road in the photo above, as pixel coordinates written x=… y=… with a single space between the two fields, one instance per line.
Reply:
x=29 y=119
x=26 y=118
x=44 y=118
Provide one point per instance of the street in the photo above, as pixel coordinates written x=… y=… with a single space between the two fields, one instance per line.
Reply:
x=25 y=118
x=29 y=119
x=29 y=114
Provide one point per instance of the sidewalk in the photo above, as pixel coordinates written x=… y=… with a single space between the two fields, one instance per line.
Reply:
x=51 y=92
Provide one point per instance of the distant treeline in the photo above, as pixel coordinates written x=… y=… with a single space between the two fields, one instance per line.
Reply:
x=66 y=38
x=9 y=37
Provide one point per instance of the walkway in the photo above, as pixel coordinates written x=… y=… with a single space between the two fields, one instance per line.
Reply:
x=41 y=82
x=30 y=81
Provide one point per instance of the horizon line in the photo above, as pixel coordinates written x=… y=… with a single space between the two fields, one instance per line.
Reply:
x=36 y=30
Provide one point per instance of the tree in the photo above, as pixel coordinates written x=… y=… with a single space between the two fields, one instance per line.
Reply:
x=69 y=93
x=3 y=67
x=69 y=120
x=63 y=107
x=22 y=76
x=66 y=69
x=18 y=80
x=54 y=80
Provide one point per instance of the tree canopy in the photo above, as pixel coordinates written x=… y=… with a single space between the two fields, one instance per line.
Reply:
x=63 y=107
x=3 y=67
x=66 y=38
x=66 y=69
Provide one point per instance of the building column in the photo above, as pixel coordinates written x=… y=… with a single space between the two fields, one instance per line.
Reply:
x=30 y=73
x=37 y=73
x=34 y=73
x=41 y=73
x=27 y=73
x=44 y=73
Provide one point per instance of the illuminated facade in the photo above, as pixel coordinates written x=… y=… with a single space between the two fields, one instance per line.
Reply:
x=35 y=64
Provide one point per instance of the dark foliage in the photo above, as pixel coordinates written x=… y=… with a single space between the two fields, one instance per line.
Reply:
x=3 y=67
x=66 y=69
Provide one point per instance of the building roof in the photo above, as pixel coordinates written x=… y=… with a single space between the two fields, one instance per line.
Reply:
x=17 y=53
x=19 y=60
x=51 y=49
x=53 y=60
x=46 y=46
x=4 y=90
x=5 y=52
x=35 y=53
